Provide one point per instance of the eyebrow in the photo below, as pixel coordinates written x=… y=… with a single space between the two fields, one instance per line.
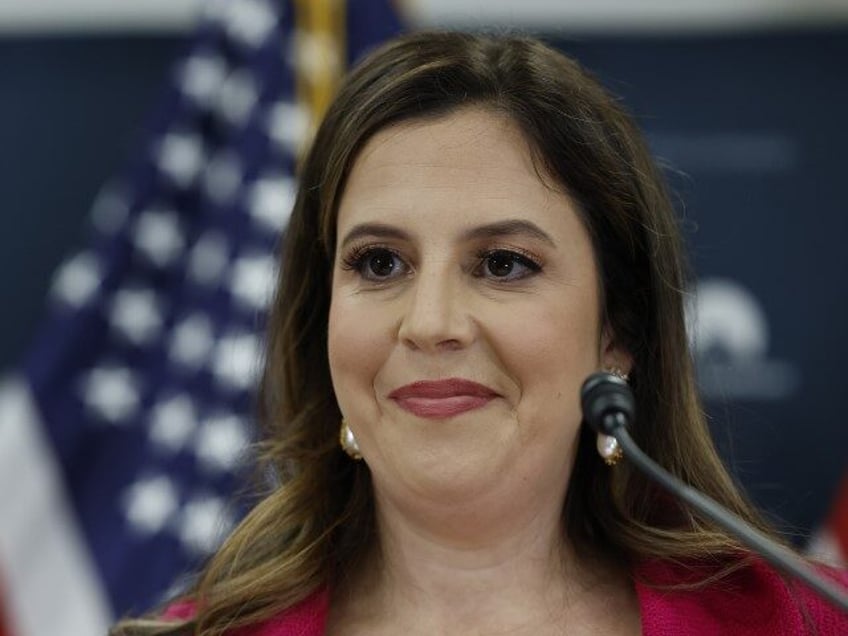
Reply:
x=511 y=227
x=377 y=230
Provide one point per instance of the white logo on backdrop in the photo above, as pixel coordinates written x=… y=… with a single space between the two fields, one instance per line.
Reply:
x=729 y=333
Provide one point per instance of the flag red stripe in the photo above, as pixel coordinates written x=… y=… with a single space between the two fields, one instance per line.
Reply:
x=838 y=522
x=4 y=623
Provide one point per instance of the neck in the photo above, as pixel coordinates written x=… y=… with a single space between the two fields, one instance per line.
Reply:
x=517 y=576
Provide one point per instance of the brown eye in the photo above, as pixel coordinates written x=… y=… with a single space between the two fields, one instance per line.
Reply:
x=375 y=264
x=506 y=265
x=500 y=264
x=380 y=263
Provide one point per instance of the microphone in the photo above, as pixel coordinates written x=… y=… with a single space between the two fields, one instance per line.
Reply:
x=609 y=408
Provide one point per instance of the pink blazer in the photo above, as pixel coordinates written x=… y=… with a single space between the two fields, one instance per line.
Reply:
x=754 y=601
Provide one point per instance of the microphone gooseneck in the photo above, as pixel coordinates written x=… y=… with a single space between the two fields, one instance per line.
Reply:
x=609 y=408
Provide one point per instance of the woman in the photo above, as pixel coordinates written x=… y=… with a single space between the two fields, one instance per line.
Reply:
x=479 y=227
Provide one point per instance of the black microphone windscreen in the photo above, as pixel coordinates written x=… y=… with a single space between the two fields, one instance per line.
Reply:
x=604 y=394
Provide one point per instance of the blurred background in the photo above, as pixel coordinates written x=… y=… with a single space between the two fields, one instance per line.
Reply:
x=146 y=170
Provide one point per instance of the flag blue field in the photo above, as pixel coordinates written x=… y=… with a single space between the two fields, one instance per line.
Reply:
x=125 y=435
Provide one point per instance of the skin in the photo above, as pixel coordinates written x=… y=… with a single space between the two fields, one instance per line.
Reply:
x=455 y=260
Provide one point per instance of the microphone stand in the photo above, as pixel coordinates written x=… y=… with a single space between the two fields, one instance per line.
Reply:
x=614 y=424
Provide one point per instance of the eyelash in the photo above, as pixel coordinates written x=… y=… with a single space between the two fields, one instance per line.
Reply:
x=357 y=260
x=519 y=256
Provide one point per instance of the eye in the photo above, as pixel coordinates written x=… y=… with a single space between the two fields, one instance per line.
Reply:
x=376 y=263
x=506 y=265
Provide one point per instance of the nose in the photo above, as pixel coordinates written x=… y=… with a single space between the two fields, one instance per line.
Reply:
x=437 y=314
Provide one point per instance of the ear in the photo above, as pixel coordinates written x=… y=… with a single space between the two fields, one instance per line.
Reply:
x=612 y=355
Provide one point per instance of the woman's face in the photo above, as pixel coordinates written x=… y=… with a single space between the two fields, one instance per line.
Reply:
x=464 y=315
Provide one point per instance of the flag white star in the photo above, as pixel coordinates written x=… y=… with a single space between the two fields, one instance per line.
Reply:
x=203 y=523
x=252 y=279
x=78 y=280
x=271 y=200
x=150 y=503
x=208 y=259
x=237 y=97
x=236 y=360
x=288 y=125
x=181 y=157
x=221 y=441
x=110 y=209
x=158 y=236
x=192 y=341
x=249 y=21
x=172 y=422
x=136 y=315
x=222 y=176
x=112 y=393
x=201 y=76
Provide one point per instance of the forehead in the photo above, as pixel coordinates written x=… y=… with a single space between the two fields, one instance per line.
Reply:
x=468 y=167
x=469 y=134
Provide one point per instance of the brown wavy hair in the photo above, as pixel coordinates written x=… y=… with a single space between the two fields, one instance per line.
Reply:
x=317 y=522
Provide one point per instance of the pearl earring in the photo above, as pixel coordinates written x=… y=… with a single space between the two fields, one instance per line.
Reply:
x=608 y=447
x=348 y=441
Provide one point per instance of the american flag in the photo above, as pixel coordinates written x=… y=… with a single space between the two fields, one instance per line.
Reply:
x=123 y=437
x=830 y=543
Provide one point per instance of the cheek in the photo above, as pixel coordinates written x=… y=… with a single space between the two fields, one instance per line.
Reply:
x=355 y=349
x=552 y=359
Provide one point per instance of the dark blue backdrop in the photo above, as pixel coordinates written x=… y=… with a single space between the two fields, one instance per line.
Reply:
x=750 y=126
x=753 y=129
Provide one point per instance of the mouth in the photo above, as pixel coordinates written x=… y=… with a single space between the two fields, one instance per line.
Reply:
x=441 y=399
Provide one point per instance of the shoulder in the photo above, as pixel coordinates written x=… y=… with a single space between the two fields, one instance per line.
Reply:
x=754 y=599
x=306 y=618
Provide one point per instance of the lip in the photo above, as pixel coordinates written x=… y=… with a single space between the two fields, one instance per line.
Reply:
x=438 y=399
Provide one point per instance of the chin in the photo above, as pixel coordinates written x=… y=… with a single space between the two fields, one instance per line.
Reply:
x=447 y=476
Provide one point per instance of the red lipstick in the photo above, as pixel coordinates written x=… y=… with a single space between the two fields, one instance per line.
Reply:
x=442 y=398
